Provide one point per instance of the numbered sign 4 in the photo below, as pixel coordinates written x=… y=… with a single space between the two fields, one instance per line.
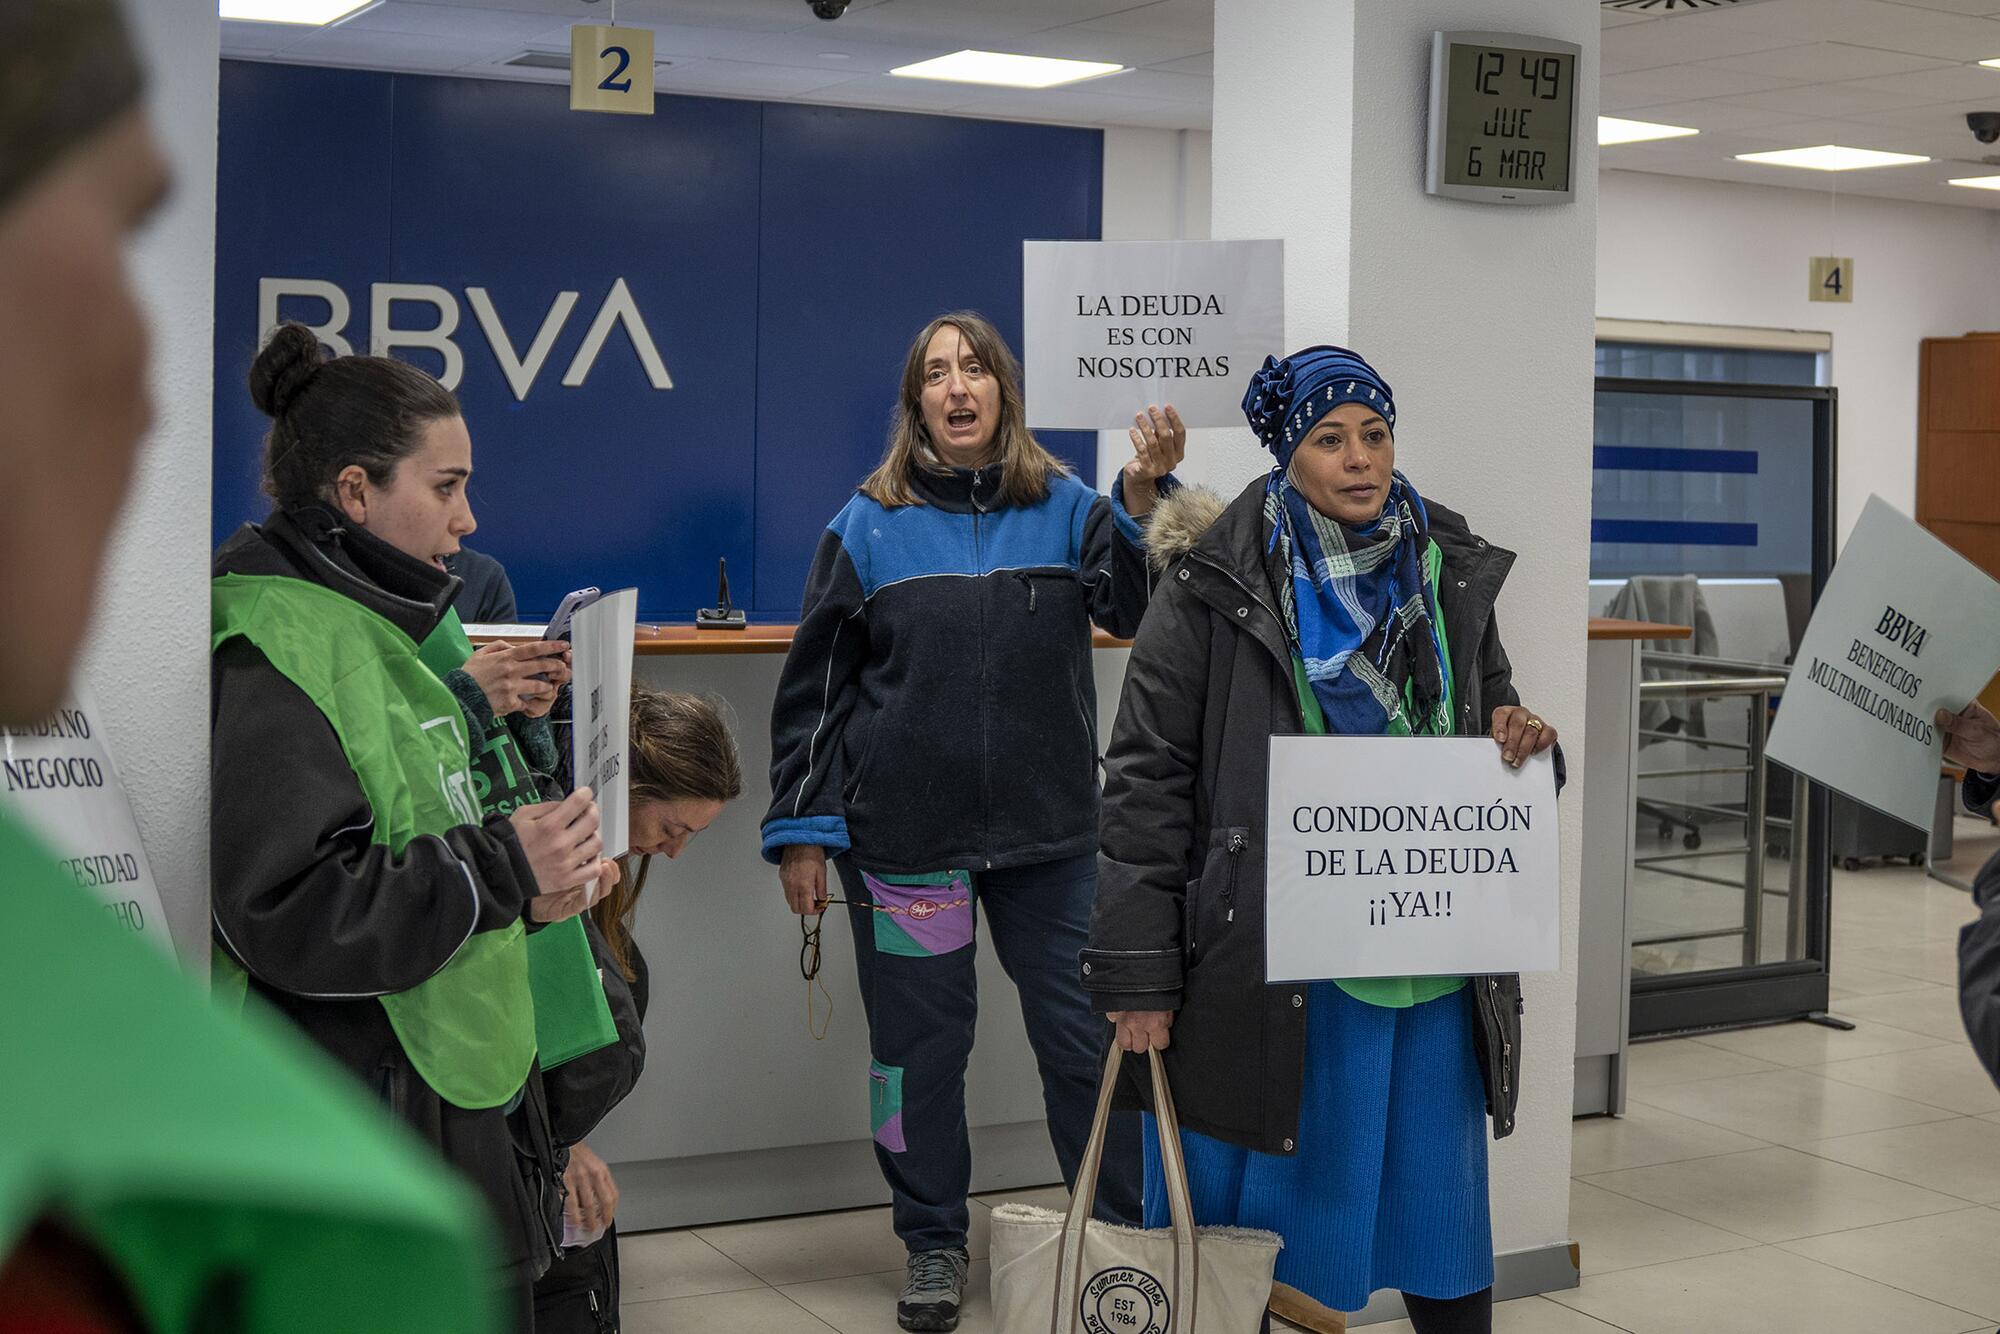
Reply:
x=611 y=69
x=1832 y=278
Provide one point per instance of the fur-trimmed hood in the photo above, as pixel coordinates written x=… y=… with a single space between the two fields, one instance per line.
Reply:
x=1185 y=515
x=1179 y=520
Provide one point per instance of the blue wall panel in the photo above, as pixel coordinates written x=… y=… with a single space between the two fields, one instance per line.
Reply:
x=298 y=196
x=780 y=257
x=874 y=223
x=613 y=482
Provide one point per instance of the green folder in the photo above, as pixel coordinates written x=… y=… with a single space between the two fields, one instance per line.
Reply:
x=572 y=1018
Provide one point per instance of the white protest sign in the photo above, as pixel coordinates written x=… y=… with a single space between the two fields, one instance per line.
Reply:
x=1112 y=326
x=1905 y=627
x=1407 y=857
x=59 y=781
x=601 y=707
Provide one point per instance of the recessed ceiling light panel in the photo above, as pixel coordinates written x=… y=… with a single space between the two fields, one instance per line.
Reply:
x=1614 y=130
x=1006 y=71
x=1977 y=182
x=1831 y=157
x=309 y=13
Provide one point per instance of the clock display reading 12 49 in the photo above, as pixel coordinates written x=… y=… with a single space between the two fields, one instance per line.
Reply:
x=1503 y=118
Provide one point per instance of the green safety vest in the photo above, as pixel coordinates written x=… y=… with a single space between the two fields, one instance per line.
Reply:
x=204 y=1156
x=572 y=1016
x=502 y=779
x=470 y=1028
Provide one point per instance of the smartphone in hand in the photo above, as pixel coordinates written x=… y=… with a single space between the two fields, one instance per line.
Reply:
x=559 y=624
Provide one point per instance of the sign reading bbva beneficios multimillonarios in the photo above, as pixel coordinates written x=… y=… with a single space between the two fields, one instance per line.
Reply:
x=1906 y=626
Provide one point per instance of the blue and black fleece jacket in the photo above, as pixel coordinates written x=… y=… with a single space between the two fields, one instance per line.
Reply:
x=937 y=710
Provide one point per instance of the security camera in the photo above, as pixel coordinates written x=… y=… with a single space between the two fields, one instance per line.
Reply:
x=828 y=9
x=1985 y=125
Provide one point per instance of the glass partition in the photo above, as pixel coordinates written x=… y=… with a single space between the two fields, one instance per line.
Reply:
x=1712 y=507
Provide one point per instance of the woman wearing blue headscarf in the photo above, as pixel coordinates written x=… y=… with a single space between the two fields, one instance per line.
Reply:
x=1330 y=597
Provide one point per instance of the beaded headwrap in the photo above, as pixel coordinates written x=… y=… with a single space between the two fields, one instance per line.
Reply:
x=1286 y=398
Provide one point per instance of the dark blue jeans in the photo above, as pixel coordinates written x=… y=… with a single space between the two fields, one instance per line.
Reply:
x=918 y=987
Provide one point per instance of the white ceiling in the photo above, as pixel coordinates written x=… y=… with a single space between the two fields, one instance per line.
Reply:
x=1793 y=73
x=776 y=50
x=1891 y=74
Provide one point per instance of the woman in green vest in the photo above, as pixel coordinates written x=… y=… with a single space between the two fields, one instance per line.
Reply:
x=162 y=1167
x=357 y=890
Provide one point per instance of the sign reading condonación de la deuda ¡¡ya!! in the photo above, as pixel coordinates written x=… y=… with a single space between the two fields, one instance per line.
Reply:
x=1408 y=857
x=1906 y=627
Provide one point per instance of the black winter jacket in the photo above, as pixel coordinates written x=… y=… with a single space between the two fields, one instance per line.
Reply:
x=1210 y=681
x=583 y=1091
x=1979 y=969
x=937 y=707
x=325 y=921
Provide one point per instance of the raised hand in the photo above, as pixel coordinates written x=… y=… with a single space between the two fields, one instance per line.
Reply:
x=1159 y=443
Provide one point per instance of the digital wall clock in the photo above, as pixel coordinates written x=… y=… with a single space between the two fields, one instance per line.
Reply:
x=1502 y=118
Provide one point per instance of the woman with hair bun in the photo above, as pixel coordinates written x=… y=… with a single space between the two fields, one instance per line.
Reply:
x=356 y=889
x=683 y=770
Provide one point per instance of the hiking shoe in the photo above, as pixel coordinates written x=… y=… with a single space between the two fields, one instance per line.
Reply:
x=936 y=1285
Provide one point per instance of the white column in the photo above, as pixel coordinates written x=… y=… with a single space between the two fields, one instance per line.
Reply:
x=147 y=657
x=1480 y=317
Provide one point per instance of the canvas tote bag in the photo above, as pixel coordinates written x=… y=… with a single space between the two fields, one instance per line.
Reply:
x=1076 y=1275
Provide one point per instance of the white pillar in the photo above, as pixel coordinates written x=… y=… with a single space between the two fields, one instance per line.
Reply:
x=147 y=657
x=1481 y=318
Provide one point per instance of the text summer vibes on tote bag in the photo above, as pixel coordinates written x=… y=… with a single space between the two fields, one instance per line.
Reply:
x=1076 y=1275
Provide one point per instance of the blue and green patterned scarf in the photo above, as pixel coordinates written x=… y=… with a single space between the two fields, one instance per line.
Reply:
x=1359 y=606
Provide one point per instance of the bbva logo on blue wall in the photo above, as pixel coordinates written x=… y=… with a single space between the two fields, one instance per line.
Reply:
x=675 y=337
x=522 y=366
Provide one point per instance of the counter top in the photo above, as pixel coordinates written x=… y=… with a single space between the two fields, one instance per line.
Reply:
x=1603 y=627
x=665 y=640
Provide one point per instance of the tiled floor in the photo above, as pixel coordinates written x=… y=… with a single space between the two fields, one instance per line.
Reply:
x=1773 y=1181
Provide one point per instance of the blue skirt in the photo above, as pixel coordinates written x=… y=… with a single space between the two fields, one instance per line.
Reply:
x=1388 y=1187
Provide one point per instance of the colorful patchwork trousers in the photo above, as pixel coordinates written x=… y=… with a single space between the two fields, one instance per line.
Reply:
x=918 y=985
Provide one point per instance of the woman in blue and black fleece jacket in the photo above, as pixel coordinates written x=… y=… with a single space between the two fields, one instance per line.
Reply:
x=935 y=734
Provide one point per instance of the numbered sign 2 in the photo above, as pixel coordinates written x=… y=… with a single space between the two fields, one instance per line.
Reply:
x=611 y=69
x=1832 y=278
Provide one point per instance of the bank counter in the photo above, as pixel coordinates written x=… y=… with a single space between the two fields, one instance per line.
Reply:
x=744 y=1112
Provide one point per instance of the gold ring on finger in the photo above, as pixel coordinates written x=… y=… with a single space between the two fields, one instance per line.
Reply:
x=1535 y=723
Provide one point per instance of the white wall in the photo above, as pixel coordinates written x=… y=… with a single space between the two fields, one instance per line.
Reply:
x=147 y=657
x=1713 y=252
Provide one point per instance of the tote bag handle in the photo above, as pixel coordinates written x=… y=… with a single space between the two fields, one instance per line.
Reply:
x=1067 y=1316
